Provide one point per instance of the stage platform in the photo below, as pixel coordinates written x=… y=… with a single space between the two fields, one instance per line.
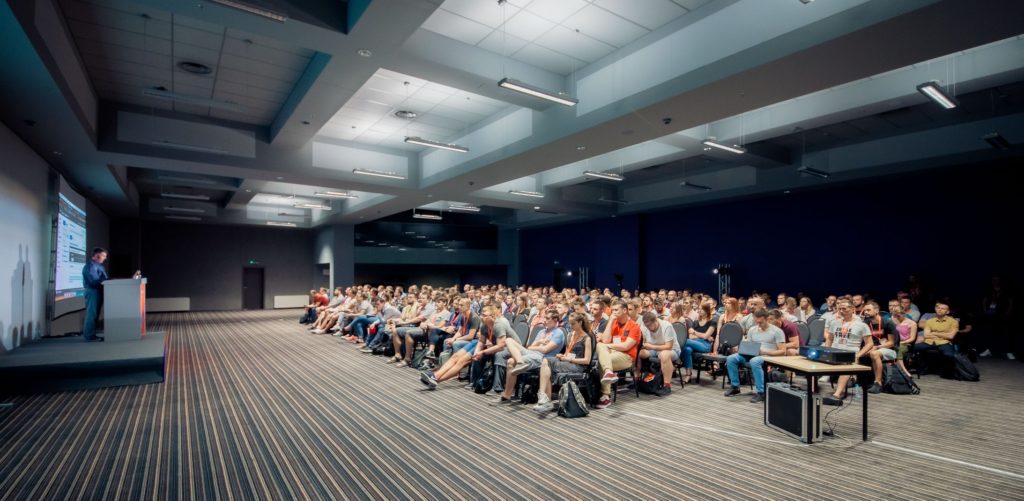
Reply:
x=70 y=363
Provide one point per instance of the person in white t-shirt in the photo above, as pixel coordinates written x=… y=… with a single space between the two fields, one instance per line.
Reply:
x=660 y=344
x=846 y=331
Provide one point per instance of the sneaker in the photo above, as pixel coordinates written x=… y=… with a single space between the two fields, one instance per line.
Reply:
x=986 y=353
x=469 y=386
x=501 y=400
x=366 y=350
x=1010 y=356
x=664 y=391
x=609 y=377
x=875 y=388
x=544 y=408
x=491 y=393
x=603 y=402
x=518 y=369
x=832 y=400
x=757 y=398
x=733 y=390
x=825 y=379
x=428 y=379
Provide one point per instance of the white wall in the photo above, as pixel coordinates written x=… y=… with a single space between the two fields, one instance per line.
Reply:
x=24 y=241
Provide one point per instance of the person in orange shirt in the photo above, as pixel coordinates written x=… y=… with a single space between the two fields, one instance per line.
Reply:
x=616 y=349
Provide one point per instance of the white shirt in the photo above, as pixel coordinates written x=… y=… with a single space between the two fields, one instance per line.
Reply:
x=664 y=333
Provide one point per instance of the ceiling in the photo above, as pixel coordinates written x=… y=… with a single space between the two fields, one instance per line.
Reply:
x=269 y=118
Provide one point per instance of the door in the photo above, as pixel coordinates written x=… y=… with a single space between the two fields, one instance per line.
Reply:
x=252 y=288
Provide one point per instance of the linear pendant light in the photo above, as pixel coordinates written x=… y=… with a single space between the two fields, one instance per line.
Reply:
x=335 y=194
x=810 y=171
x=280 y=223
x=312 y=206
x=378 y=173
x=252 y=9
x=687 y=184
x=611 y=176
x=184 y=196
x=184 y=209
x=464 y=208
x=534 y=194
x=934 y=92
x=722 y=146
x=436 y=144
x=525 y=88
x=435 y=217
x=185 y=218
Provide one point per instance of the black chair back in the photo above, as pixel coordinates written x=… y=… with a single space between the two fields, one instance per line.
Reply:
x=731 y=335
x=522 y=332
x=805 y=333
x=817 y=332
x=682 y=333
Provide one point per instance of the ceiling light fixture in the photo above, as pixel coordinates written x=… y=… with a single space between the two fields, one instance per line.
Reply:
x=436 y=144
x=810 y=171
x=252 y=9
x=364 y=52
x=612 y=201
x=194 y=68
x=184 y=218
x=312 y=206
x=433 y=217
x=996 y=140
x=687 y=184
x=534 y=194
x=163 y=93
x=186 y=180
x=731 y=149
x=555 y=97
x=193 y=210
x=190 y=147
x=378 y=173
x=933 y=91
x=464 y=208
x=335 y=194
x=280 y=223
x=406 y=114
x=185 y=196
x=611 y=176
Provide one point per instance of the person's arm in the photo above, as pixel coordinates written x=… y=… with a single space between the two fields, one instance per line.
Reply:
x=780 y=350
x=624 y=346
x=587 y=353
x=927 y=333
x=913 y=333
x=889 y=341
x=950 y=334
x=606 y=336
x=708 y=333
x=792 y=343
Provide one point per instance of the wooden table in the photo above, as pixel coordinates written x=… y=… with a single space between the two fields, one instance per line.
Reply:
x=813 y=370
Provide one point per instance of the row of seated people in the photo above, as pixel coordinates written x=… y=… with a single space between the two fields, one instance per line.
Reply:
x=474 y=334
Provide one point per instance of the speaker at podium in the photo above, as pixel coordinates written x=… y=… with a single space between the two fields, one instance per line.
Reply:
x=124 y=309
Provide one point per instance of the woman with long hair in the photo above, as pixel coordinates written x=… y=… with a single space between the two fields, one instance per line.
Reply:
x=700 y=334
x=574 y=360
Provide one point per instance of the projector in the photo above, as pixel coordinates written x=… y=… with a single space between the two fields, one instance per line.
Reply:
x=828 y=355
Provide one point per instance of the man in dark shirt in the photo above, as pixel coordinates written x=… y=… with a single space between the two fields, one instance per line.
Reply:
x=93 y=276
x=792 y=332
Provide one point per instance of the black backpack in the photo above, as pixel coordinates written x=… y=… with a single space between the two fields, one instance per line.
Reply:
x=484 y=383
x=963 y=369
x=570 y=401
x=650 y=383
x=897 y=383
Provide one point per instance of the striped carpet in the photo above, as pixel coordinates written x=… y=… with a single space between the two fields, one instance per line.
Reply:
x=255 y=408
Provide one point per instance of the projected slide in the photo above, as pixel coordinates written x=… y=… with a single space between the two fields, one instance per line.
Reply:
x=71 y=249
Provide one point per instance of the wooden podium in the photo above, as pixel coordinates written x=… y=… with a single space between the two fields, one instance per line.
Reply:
x=124 y=309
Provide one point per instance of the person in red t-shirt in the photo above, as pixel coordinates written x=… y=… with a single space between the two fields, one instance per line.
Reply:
x=616 y=349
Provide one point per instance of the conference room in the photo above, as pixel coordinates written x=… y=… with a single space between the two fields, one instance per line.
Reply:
x=510 y=249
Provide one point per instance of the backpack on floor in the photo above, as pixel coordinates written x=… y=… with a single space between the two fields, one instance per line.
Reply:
x=963 y=369
x=485 y=381
x=897 y=383
x=650 y=383
x=385 y=349
x=570 y=401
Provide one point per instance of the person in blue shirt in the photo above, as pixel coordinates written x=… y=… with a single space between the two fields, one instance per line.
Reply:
x=93 y=275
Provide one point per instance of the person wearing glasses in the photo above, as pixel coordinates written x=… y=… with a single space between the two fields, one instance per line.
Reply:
x=847 y=332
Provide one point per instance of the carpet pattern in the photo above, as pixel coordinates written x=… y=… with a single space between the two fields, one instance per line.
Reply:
x=253 y=407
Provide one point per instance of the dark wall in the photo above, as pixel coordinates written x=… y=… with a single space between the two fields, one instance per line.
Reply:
x=205 y=262
x=952 y=227
x=607 y=246
x=436 y=275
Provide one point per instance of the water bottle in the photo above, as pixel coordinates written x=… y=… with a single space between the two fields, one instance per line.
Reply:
x=857 y=393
